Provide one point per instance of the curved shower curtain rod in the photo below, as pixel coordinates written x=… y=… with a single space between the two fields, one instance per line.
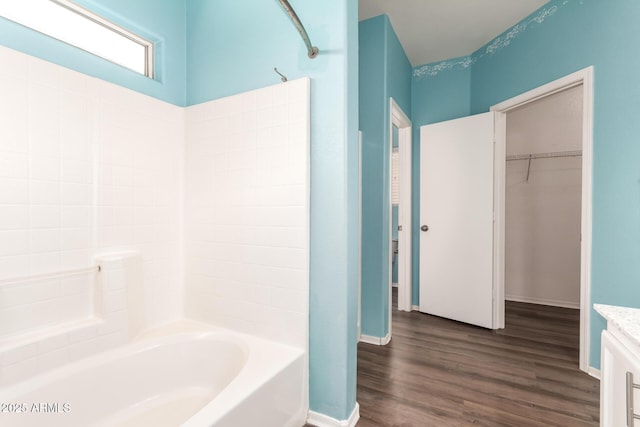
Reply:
x=312 y=51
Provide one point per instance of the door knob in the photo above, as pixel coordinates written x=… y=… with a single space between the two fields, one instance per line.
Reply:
x=424 y=228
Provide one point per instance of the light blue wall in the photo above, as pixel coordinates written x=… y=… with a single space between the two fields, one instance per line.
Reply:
x=568 y=35
x=398 y=70
x=162 y=22
x=562 y=37
x=385 y=72
x=212 y=49
x=350 y=306
x=233 y=47
x=372 y=111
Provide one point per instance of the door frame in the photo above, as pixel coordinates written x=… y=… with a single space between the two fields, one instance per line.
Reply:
x=359 y=325
x=582 y=77
x=398 y=118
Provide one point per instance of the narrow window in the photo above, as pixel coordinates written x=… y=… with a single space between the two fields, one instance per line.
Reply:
x=75 y=25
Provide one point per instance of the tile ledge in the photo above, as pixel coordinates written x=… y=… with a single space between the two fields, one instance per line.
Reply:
x=15 y=341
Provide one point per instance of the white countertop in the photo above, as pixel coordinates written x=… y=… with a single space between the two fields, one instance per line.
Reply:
x=624 y=319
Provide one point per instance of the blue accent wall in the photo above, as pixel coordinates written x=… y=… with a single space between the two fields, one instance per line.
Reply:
x=398 y=70
x=560 y=38
x=385 y=72
x=372 y=112
x=575 y=34
x=350 y=142
x=164 y=23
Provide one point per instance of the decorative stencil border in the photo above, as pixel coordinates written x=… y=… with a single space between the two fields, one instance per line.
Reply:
x=497 y=44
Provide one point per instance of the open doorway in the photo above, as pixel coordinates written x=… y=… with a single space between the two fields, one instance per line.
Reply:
x=395 y=206
x=400 y=211
x=542 y=204
x=543 y=201
x=543 y=216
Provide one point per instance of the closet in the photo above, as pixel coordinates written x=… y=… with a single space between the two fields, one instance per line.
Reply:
x=543 y=200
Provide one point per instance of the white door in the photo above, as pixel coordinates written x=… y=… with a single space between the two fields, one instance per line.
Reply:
x=456 y=219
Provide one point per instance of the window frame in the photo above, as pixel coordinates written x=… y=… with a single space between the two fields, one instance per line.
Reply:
x=112 y=26
x=148 y=47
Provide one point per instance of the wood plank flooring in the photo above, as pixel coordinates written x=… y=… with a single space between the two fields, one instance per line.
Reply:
x=436 y=372
x=441 y=373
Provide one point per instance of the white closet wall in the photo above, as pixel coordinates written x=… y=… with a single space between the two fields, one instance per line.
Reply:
x=543 y=212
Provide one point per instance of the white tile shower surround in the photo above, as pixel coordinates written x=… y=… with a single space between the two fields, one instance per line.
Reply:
x=86 y=167
x=102 y=327
x=247 y=212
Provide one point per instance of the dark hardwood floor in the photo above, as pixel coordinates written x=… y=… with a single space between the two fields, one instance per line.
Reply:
x=437 y=372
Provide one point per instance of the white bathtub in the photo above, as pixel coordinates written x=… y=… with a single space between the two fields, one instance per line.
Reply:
x=184 y=374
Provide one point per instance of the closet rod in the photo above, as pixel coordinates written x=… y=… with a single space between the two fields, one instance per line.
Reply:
x=577 y=153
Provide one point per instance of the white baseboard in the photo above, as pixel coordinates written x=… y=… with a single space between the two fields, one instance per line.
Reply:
x=543 y=301
x=595 y=373
x=321 y=420
x=368 y=339
x=415 y=307
x=393 y=284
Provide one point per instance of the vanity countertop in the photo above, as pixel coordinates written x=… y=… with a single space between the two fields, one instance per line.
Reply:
x=624 y=319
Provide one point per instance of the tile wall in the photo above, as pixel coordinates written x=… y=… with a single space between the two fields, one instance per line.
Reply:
x=86 y=167
x=110 y=320
x=247 y=212
x=91 y=172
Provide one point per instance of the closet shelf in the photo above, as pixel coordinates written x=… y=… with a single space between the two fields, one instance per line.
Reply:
x=534 y=156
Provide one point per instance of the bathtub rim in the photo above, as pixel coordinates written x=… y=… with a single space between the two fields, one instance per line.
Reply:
x=258 y=368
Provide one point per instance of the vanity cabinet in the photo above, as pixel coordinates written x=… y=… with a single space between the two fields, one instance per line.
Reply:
x=620 y=368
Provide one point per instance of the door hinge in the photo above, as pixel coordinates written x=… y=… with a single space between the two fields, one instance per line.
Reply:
x=399 y=228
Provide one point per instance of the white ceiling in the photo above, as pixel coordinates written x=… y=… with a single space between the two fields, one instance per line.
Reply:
x=434 y=30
